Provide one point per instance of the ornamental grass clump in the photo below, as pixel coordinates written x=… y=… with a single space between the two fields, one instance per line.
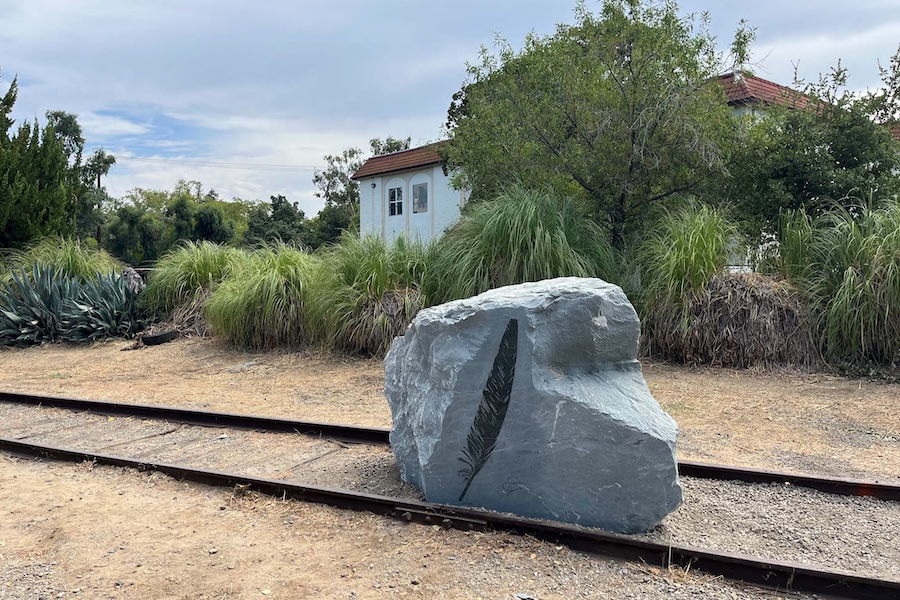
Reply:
x=695 y=312
x=262 y=305
x=190 y=270
x=366 y=293
x=68 y=256
x=852 y=281
x=522 y=235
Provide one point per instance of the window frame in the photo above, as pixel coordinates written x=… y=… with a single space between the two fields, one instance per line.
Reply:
x=415 y=201
x=395 y=201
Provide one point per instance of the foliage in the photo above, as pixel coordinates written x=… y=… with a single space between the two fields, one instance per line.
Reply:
x=827 y=145
x=263 y=305
x=366 y=292
x=686 y=247
x=735 y=321
x=147 y=223
x=621 y=107
x=46 y=305
x=35 y=181
x=69 y=256
x=522 y=235
x=852 y=281
x=187 y=271
x=281 y=221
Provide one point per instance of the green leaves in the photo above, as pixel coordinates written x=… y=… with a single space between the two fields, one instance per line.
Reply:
x=45 y=305
x=619 y=108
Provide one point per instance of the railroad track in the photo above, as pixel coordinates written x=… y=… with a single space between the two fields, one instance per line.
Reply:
x=151 y=430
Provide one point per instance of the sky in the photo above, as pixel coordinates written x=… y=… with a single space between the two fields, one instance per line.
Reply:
x=248 y=97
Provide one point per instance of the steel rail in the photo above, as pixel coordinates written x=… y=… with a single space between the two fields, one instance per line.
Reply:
x=379 y=436
x=778 y=575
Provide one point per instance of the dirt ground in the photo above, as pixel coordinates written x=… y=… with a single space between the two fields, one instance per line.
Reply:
x=108 y=533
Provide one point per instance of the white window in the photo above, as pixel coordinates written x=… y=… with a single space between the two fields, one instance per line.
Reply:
x=395 y=202
x=420 y=198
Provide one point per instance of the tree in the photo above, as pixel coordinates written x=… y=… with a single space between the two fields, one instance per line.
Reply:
x=35 y=181
x=621 y=107
x=279 y=221
x=828 y=144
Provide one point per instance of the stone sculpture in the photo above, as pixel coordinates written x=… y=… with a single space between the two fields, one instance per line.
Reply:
x=529 y=399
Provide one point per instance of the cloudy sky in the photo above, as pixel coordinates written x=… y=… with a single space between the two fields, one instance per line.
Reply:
x=247 y=97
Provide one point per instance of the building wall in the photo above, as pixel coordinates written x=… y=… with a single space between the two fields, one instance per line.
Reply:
x=444 y=205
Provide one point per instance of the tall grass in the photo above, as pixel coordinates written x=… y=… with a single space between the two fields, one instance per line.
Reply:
x=366 y=292
x=522 y=235
x=68 y=256
x=695 y=312
x=263 y=304
x=852 y=280
x=188 y=271
x=685 y=249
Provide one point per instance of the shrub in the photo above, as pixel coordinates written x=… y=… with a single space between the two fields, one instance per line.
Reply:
x=685 y=249
x=189 y=271
x=737 y=321
x=522 y=235
x=67 y=255
x=852 y=281
x=695 y=313
x=367 y=292
x=262 y=306
x=47 y=305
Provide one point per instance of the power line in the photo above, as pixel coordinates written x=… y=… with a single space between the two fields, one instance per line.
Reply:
x=224 y=165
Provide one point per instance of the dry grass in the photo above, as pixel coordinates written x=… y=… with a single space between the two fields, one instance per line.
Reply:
x=734 y=320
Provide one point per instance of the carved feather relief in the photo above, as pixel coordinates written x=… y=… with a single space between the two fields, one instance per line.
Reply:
x=485 y=430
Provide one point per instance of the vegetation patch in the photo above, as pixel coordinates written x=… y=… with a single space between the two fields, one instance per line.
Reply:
x=522 y=235
x=263 y=305
x=366 y=293
x=737 y=321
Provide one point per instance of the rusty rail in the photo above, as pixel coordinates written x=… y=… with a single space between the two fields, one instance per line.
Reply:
x=779 y=575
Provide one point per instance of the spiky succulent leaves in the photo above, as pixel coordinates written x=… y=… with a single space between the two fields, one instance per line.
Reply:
x=491 y=413
x=32 y=303
x=106 y=307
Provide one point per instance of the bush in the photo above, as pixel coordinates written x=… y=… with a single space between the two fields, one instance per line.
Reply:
x=695 y=313
x=47 y=305
x=67 y=255
x=685 y=249
x=852 y=281
x=366 y=293
x=522 y=235
x=737 y=321
x=263 y=305
x=190 y=270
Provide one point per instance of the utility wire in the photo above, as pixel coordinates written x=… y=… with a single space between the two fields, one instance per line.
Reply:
x=223 y=165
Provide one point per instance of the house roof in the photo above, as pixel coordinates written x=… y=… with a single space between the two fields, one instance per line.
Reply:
x=399 y=161
x=748 y=89
x=894 y=128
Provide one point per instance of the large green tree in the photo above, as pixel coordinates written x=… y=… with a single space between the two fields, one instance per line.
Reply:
x=621 y=108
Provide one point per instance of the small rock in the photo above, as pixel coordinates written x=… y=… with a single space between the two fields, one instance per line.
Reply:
x=213 y=550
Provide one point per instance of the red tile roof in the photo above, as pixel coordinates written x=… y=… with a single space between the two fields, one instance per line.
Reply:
x=399 y=161
x=747 y=89
x=894 y=128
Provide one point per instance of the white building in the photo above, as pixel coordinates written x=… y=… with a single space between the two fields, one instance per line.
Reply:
x=407 y=193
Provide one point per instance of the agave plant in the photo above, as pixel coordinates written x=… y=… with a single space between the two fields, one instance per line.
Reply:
x=31 y=305
x=46 y=305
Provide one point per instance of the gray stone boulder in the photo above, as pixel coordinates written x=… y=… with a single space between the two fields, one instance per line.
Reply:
x=529 y=399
